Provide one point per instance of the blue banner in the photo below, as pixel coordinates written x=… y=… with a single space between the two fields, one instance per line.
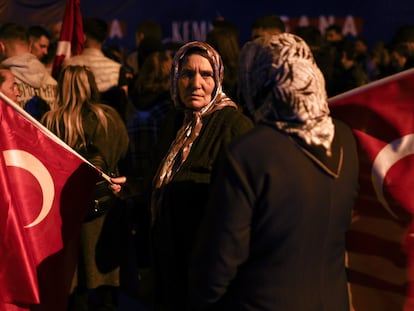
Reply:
x=187 y=20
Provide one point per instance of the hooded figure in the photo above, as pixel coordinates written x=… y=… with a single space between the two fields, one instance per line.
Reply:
x=273 y=236
x=211 y=121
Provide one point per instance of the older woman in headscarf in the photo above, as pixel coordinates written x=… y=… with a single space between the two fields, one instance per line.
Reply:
x=181 y=185
x=274 y=231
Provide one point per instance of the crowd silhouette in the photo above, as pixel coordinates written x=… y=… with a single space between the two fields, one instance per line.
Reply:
x=137 y=87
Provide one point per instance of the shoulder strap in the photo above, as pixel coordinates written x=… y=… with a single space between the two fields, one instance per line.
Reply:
x=94 y=155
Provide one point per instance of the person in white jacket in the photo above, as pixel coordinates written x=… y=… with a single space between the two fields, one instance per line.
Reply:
x=37 y=88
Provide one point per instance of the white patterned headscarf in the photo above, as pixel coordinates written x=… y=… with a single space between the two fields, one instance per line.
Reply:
x=281 y=84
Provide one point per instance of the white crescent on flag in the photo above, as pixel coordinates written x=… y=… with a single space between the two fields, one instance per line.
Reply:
x=30 y=163
x=386 y=158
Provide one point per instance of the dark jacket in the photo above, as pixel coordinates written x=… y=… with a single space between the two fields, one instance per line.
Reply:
x=183 y=203
x=274 y=233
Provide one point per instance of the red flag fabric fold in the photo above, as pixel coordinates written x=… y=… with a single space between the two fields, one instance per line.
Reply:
x=46 y=190
x=24 y=285
x=380 y=243
x=71 y=39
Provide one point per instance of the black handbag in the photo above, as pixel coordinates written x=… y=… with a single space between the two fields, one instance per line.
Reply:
x=103 y=201
x=103 y=197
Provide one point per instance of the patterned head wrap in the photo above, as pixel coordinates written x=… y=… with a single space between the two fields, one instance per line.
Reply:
x=281 y=84
x=189 y=131
x=215 y=61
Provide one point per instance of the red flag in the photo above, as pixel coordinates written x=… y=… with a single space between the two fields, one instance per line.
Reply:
x=71 y=35
x=45 y=190
x=380 y=243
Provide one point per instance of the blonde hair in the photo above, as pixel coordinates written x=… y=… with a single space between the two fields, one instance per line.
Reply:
x=77 y=94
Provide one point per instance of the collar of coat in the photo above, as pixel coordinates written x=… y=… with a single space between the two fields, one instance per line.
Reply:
x=330 y=164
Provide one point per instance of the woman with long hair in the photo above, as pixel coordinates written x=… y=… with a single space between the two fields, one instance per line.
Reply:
x=97 y=132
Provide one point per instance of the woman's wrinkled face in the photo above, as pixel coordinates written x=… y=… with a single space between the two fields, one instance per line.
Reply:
x=195 y=82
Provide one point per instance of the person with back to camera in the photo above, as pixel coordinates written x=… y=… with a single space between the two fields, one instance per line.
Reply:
x=149 y=29
x=273 y=235
x=151 y=97
x=267 y=25
x=111 y=76
x=181 y=185
x=224 y=38
x=97 y=132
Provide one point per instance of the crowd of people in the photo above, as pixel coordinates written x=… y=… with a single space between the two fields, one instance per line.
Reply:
x=232 y=185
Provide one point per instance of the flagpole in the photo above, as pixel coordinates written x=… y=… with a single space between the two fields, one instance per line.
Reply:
x=371 y=85
x=51 y=135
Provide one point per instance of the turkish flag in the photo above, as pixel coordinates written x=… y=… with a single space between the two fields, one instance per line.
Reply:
x=46 y=189
x=380 y=243
x=71 y=35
